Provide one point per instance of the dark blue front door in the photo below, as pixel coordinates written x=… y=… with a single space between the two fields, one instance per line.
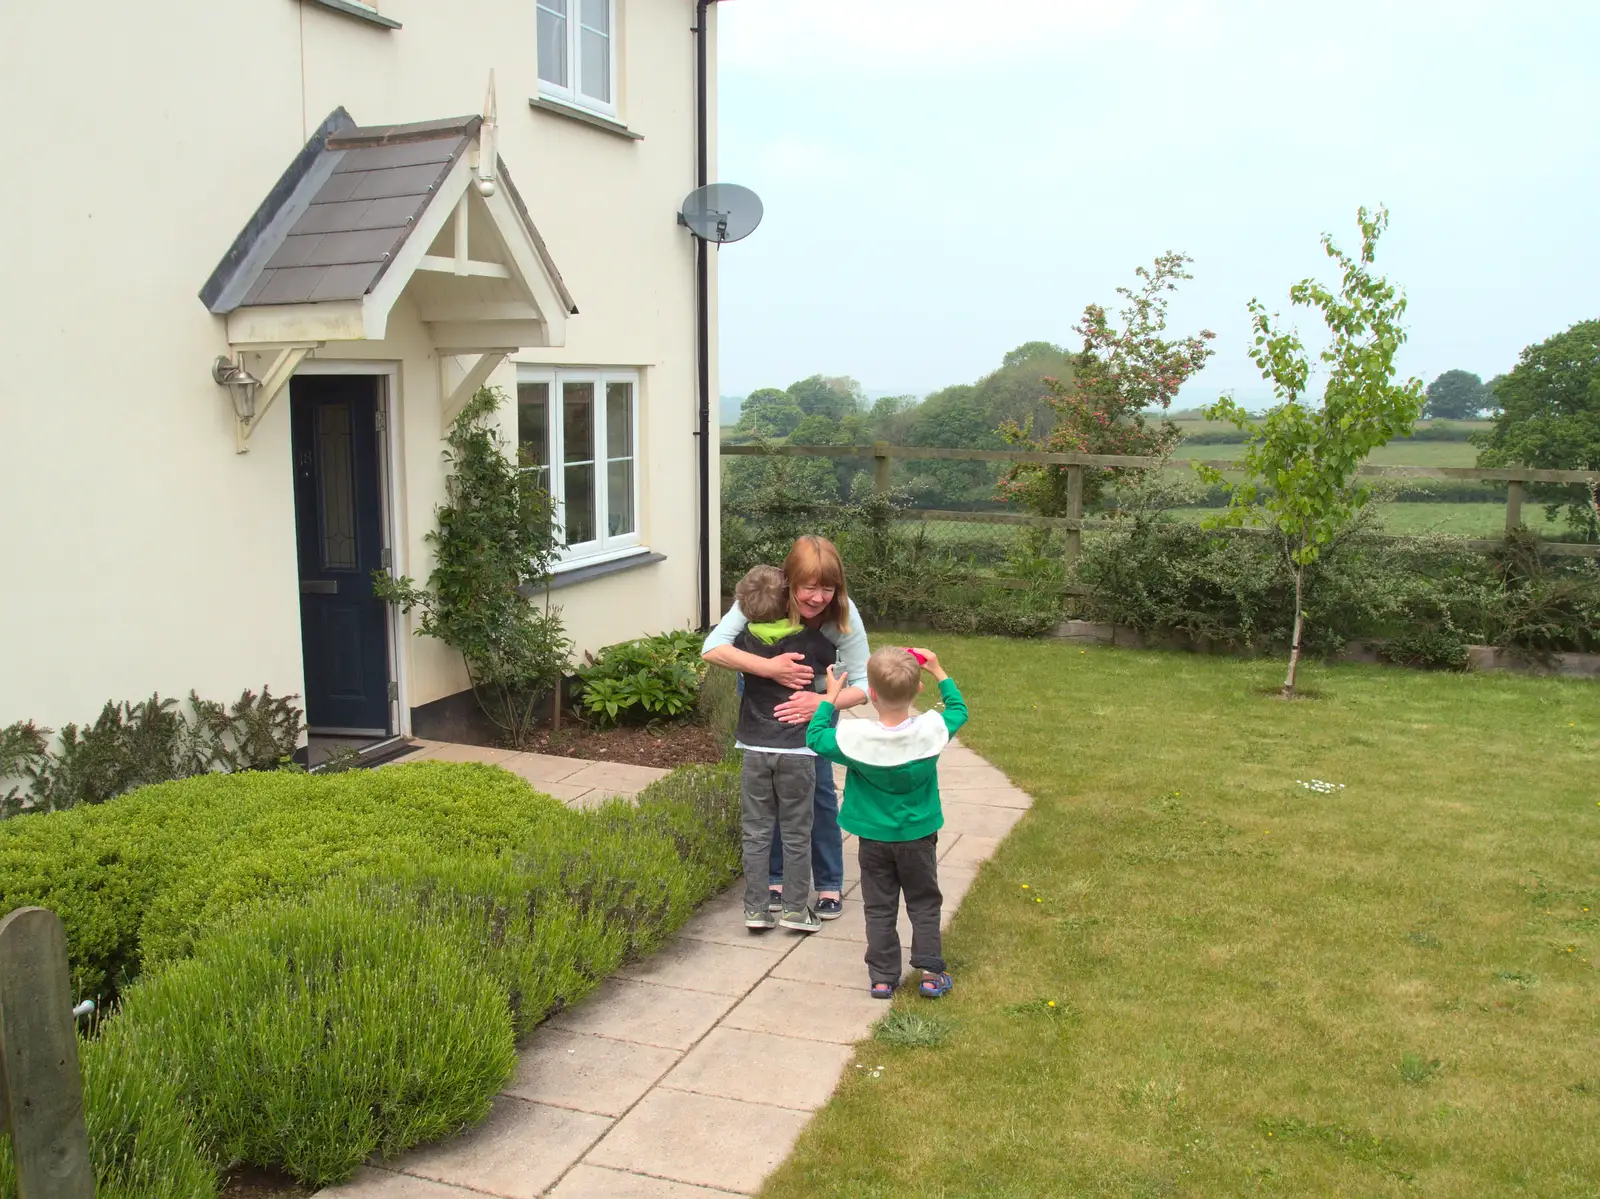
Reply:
x=338 y=511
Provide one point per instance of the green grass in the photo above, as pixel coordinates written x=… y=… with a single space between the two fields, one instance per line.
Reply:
x=1386 y=990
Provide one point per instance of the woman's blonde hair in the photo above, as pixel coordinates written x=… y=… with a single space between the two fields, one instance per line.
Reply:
x=814 y=562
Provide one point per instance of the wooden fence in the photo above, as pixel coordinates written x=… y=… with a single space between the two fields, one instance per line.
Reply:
x=1074 y=522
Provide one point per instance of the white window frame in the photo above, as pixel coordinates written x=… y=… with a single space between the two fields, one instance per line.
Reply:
x=572 y=92
x=605 y=546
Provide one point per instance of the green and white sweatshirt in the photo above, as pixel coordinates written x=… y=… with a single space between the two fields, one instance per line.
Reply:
x=891 y=786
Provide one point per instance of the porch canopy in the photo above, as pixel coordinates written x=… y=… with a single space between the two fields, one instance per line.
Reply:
x=366 y=214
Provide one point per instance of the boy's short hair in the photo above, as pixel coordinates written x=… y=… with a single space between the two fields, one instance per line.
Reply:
x=763 y=595
x=894 y=675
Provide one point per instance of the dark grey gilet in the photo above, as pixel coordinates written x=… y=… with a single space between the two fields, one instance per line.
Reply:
x=757 y=725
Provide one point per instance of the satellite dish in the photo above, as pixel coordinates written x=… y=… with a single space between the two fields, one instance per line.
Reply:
x=721 y=212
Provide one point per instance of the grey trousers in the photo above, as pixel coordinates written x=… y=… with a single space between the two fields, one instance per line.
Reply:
x=887 y=869
x=777 y=786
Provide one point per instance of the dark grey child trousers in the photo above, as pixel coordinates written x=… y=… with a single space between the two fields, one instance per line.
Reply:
x=889 y=868
x=777 y=788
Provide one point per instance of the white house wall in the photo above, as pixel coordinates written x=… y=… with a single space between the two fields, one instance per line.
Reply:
x=141 y=553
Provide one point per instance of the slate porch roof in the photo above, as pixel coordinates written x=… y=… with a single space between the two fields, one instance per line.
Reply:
x=330 y=227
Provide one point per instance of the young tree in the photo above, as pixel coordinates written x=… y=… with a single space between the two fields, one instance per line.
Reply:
x=1550 y=418
x=1122 y=374
x=1300 y=460
x=1456 y=395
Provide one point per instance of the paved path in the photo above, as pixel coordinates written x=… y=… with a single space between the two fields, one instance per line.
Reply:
x=659 y=1085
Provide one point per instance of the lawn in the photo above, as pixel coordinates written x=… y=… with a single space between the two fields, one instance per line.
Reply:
x=1389 y=988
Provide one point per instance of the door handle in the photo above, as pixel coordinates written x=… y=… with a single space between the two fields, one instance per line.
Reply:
x=319 y=586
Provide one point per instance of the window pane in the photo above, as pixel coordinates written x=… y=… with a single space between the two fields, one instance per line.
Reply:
x=337 y=501
x=597 y=15
x=619 y=497
x=580 y=503
x=553 y=42
x=577 y=422
x=594 y=79
x=533 y=422
x=619 y=420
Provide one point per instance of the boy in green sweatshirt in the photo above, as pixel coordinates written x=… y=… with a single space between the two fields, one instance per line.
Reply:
x=891 y=804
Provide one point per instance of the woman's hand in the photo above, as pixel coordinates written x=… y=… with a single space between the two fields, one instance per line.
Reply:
x=790 y=670
x=799 y=708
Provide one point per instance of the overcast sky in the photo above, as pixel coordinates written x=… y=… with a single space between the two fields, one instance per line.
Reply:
x=944 y=180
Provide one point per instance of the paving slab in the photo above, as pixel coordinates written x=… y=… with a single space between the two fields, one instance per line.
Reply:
x=704 y=966
x=794 y=1074
x=586 y=1072
x=518 y=1152
x=615 y=776
x=837 y=961
x=808 y=1011
x=542 y=768
x=967 y=849
x=451 y=752
x=373 y=1183
x=628 y=1010
x=701 y=1139
x=988 y=794
x=963 y=817
x=598 y=1182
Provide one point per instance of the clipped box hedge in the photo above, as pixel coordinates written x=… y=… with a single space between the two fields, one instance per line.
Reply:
x=339 y=966
x=136 y=878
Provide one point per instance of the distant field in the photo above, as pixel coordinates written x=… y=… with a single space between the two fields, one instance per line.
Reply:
x=1460 y=520
x=1396 y=453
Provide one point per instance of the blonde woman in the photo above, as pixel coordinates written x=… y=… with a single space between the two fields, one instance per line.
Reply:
x=819 y=600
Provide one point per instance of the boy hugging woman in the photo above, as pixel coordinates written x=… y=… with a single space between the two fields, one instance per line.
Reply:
x=891 y=797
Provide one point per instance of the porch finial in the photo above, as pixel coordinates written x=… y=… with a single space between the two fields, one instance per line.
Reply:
x=488 y=137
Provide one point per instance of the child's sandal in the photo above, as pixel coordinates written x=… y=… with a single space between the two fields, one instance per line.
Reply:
x=883 y=990
x=935 y=985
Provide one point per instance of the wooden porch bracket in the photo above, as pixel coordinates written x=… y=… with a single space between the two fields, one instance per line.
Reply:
x=272 y=383
x=453 y=397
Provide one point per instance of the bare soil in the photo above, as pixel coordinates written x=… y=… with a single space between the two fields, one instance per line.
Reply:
x=248 y=1182
x=666 y=744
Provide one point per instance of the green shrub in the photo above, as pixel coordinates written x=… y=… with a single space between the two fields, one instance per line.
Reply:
x=143 y=875
x=141 y=1139
x=311 y=1034
x=649 y=678
x=133 y=745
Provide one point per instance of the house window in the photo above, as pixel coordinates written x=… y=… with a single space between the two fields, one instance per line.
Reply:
x=579 y=431
x=578 y=52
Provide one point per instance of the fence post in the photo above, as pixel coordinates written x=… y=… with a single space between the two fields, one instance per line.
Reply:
x=1074 y=511
x=880 y=468
x=43 y=1091
x=1513 y=505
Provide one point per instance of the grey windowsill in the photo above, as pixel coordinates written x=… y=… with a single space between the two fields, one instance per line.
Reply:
x=593 y=119
x=360 y=12
x=599 y=570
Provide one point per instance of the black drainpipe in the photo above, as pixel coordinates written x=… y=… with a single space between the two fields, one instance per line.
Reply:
x=701 y=251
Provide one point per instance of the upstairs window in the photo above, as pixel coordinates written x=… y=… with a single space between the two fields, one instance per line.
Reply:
x=578 y=53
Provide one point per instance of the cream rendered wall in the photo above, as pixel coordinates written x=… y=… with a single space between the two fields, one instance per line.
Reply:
x=144 y=554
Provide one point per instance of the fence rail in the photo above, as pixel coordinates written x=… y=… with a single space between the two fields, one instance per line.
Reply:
x=1074 y=522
